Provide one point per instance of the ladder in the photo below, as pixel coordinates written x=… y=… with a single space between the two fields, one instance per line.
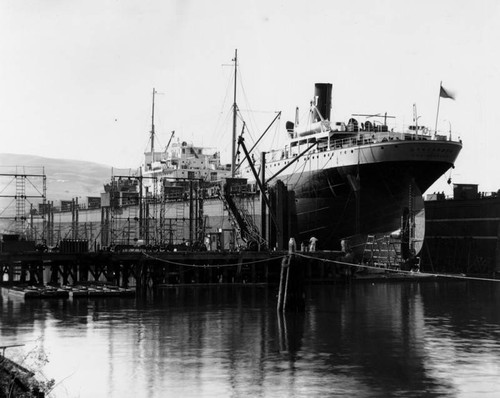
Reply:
x=162 y=236
x=20 y=203
x=131 y=225
x=179 y=220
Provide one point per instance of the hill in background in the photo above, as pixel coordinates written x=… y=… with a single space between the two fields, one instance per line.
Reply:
x=65 y=179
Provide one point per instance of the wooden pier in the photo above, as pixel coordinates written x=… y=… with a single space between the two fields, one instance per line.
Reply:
x=139 y=268
x=149 y=269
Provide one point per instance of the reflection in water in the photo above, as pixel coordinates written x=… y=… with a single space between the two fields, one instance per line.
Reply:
x=364 y=339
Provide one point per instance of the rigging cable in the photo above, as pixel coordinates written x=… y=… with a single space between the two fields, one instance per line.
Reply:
x=210 y=266
x=414 y=273
x=218 y=123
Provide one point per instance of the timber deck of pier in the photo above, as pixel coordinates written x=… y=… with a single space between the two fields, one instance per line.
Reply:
x=150 y=268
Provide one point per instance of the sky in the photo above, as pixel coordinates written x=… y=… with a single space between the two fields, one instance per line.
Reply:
x=76 y=77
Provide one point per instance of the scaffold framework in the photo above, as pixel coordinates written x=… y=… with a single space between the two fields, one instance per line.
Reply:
x=23 y=192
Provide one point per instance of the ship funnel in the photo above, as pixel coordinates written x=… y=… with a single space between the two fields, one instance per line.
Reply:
x=323 y=99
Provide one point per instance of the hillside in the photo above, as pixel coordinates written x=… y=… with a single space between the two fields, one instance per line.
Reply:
x=66 y=179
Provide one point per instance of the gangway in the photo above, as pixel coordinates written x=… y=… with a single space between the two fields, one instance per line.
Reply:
x=239 y=217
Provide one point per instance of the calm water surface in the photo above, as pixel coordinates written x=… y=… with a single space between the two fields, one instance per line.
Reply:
x=398 y=339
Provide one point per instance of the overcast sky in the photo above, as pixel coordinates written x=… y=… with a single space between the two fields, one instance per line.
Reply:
x=76 y=77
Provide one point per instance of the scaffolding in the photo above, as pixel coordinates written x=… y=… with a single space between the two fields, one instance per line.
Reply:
x=383 y=251
x=26 y=187
x=124 y=191
x=182 y=199
x=143 y=212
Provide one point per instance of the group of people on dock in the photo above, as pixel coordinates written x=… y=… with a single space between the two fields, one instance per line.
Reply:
x=304 y=245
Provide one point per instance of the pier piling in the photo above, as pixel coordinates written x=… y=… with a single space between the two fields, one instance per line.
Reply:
x=291 y=296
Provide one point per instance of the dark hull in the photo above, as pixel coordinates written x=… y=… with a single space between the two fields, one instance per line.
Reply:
x=334 y=203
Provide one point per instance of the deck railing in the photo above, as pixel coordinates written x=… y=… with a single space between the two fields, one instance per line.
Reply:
x=363 y=138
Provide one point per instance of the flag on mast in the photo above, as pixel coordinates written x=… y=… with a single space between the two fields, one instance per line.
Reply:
x=442 y=94
x=446 y=94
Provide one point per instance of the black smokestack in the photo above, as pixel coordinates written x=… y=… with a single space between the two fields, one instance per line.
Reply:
x=323 y=93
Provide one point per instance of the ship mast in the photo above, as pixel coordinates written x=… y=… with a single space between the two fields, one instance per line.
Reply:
x=153 y=129
x=233 y=147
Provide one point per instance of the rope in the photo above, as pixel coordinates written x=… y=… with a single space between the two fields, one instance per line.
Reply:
x=206 y=265
x=401 y=271
x=413 y=273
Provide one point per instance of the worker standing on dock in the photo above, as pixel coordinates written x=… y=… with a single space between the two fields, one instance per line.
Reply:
x=303 y=246
x=312 y=244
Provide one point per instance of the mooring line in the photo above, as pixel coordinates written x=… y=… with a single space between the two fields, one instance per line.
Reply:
x=413 y=273
x=371 y=267
x=210 y=266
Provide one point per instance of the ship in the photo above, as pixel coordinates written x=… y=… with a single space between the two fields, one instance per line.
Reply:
x=351 y=183
x=167 y=172
x=354 y=183
x=179 y=163
x=357 y=181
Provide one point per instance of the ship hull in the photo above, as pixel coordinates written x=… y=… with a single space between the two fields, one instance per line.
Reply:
x=365 y=190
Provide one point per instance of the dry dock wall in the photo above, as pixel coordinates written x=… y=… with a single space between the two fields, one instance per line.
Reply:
x=462 y=235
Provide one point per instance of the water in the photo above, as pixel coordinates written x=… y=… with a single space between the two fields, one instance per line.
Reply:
x=395 y=339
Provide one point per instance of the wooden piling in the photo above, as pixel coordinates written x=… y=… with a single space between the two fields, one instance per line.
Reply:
x=291 y=295
x=283 y=277
x=295 y=295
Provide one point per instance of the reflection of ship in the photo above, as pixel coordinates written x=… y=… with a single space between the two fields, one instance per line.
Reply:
x=358 y=179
